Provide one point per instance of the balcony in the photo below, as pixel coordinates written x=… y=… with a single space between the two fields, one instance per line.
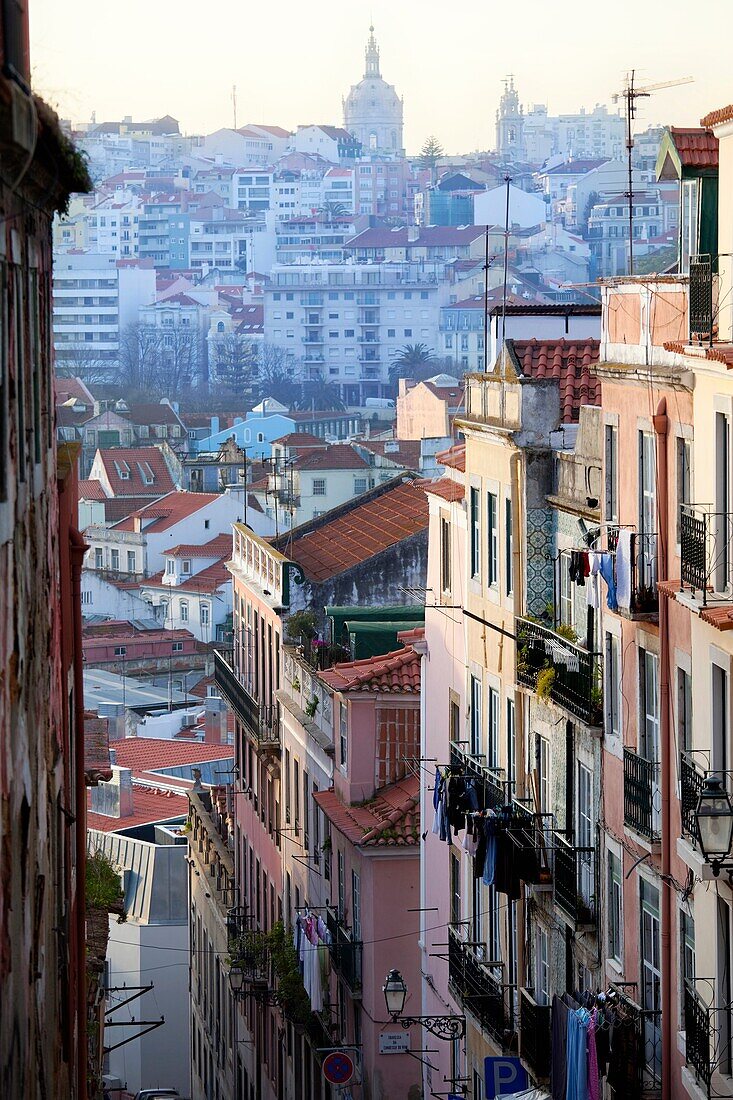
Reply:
x=575 y=882
x=535 y=1038
x=703 y=295
x=706 y=550
x=474 y=985
x=644 y=596
x=642 y=799
x=211 y=842
x=559 y=670
x=691 y=781
x=345 y=951
x=698 y=1033
x=493 y=789
x=262 y=723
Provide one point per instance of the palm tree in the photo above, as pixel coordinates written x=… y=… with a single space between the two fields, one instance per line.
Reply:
x=319 y=394
x=412 y=361
x=332 y=209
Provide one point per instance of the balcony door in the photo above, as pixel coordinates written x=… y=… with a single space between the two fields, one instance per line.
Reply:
x=719 y=551
x=584 y=834
x=647 y=550
x=651 y=977
x=649 y=687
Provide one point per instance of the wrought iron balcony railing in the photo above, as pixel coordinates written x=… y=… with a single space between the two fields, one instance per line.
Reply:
x=263 y=723
x=702 y=298
x=535 y=1037
x=706 y=549
x=641 y=795
x=493 y=788
x=560 y=670
x=345 y=951
x=575 y=881
x=698 y=1033
x=691 y=781
x=478 y=990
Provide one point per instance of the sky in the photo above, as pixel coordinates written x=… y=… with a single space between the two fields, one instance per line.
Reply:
x=293 y=60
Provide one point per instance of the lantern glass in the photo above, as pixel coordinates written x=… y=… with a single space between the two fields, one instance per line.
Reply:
x=236 y=978
x=395 y=992
x=714 y=816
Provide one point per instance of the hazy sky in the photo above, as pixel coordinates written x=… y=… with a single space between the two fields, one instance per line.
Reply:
x=293 y=60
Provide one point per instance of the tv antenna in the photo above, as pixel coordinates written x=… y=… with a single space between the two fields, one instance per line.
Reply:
x=234 y=104
x=631 y=93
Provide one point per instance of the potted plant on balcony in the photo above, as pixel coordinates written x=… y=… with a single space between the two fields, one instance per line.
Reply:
x=301 y=624
x=545 y=681
x=312 y=706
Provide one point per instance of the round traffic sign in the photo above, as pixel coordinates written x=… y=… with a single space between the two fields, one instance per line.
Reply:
x=338 y=1067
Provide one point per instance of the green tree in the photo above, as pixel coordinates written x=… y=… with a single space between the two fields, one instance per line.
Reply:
x=590 y=202
x=412 y=361
x=332 y=209
x=318 y=393
x=430 y=154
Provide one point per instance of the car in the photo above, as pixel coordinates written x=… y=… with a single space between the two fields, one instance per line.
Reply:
x=158 y=1094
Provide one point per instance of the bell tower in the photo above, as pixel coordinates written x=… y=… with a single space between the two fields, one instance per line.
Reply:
x=510 y=123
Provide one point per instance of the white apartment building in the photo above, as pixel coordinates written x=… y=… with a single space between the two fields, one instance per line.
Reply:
x=252 y=189
x=95 y=297
x=194 y=591
x=112 y=226
x=231 y=241
x=350 y=320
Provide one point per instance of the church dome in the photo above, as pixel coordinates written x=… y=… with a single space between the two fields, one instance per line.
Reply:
x=373 y=109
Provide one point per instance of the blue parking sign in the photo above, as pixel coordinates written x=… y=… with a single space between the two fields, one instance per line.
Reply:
x=504 y=1076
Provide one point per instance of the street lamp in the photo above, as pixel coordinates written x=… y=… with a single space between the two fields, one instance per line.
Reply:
x=714 y=818
x=395 y=995
x=236 y=979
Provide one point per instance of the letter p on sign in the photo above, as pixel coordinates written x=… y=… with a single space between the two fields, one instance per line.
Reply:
x=504 y=1076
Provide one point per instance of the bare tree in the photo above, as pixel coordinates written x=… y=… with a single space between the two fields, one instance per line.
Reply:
x=87 y=363
x=278 y=374
x=161 y=361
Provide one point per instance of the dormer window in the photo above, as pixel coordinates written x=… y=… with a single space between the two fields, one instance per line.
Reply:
x=186 y=566
x=170 y=566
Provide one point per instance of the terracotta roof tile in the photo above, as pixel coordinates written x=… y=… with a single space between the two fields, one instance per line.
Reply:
x=336 y=456
x=398 y=672
x=150 y=804
x=719 y=617
x=455 y=457
x=446 y=488
x=569 y=362
x=91 y=489
x=356 y=531
x=218 y=546
x=143 y=754
x=167 y=511
x=403 y=452
x=210 y=579
x=717 y=118
x=390 y=819
x=696 y=147
x=138 y=463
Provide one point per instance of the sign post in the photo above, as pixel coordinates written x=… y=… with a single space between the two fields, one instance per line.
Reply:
x=504 y=1076
x=338 y=1067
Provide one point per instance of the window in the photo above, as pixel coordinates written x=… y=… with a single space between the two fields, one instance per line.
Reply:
x=615 y=908
x=205 y=614
x=684 y=476
x=176 y=647
x=130 y=561
x=183 y=611
x=647 y=484
x=584 y=833
x=649 y=694
x=684 y=709
x=287 y=786
x=493 y=728
x=651 y=979
x=508 y=547
x=567 y=592
x=687 y=950
x=319 y=486
x=543 y=771
x=476 y=730
x=612 y=695
x=341 y=886
x=186 y=566
x=120 y=650
x=356 y=906
x=445 y=554
x=114 y=559
x=296 y=797
x=170 y=566
x=98 y=558
x=343 y=735
x=492 y=521
x=475 y=533
x=360 y=484
x=511 y=741
x=455 y=888
x=542 y=978
x=611 y=448
x=306 y=811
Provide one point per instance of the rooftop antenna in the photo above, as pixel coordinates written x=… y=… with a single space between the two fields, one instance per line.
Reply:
x=507 y=181
x=234 y=104
x=631 y=93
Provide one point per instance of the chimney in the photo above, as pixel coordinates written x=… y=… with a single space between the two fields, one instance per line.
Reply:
x=413 y=232
x=114 y=799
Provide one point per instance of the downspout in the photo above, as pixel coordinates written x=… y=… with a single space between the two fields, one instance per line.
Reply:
x=77 y=549
x=518 y=541
x=661 y=428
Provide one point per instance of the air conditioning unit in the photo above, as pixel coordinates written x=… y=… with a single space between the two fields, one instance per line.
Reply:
x=189 y=720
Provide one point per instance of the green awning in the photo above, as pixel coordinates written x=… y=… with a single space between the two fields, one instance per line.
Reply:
x=414 y=613
x=372 y=639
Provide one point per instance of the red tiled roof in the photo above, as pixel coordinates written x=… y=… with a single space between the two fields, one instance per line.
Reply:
x=390 y=819
x=207 y=580
x=167 y=511
x=717 y=118
x=356 y=531
x=398 y=672
x=299 y=439
x=91 y=489
x=573 y=167
x=335 y=456
x=453 y=395
x=66 y=388
x=415 y=634
x=403 y=452
x=446 y=488
x=431 y=236
x=570 y=362
x=719 y=617
x=218 y=546
x=152 y=414
x=201 y=689
x=143 y=754
x=150 y=804
x=696 y=147
x=136 y=462
x=455 y=457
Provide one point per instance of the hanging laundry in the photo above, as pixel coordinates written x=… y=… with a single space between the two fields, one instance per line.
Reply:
x=577 y=1055
x=623 y=568
x=576 y=568
x=593 y=595
x=606 y=571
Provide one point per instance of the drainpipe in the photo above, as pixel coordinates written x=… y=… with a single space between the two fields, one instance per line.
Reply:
x=77 y=549
x=518 y=541
x=661 y=427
